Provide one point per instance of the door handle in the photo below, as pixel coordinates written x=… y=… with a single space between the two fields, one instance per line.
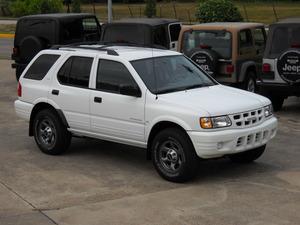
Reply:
x=55 y=92
x=98 y=100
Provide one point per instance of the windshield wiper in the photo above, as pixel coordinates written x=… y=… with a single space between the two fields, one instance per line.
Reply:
x=183 y=88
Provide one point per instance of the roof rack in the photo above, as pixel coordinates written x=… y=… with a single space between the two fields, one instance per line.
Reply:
x=78 y=46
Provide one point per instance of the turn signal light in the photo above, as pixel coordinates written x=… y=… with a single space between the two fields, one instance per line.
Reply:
x=19 y=90
x=206 y=123
x=266 y=68
x=230 y=69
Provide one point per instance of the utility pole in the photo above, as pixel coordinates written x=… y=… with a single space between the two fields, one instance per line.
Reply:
x=109 y=11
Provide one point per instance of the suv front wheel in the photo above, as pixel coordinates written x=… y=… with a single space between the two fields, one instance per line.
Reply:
x=174 y=156
x=50 y=134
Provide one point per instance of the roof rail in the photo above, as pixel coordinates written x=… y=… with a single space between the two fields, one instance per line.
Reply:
x=77 y=46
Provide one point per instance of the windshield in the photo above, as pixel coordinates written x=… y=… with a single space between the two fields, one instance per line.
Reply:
x=219 y=41
x=170 y=74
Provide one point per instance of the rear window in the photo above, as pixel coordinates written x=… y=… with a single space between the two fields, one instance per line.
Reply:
x=284 y=38
x=41 y=66
x=130 y=33
x=219 y=41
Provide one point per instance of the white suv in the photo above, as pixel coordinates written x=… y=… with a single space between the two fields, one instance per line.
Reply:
x=150 y=98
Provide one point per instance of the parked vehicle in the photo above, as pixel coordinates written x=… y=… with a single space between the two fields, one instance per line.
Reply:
x=281 y=63
x=153 y=32
x=37 y=32
x=230 y=52
x=149 y=98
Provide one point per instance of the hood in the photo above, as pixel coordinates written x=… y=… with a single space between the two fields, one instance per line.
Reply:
x=216 y=100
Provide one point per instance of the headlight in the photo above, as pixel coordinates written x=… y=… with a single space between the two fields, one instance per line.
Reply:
x=268 y=110
x=215 y=122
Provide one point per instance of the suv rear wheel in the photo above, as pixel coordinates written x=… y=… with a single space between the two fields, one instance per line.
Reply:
x=250 y=82
x=50 y=134
x=174 y=156
x=248 y=156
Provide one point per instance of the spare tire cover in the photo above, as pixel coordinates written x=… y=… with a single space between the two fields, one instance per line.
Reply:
x=29 y=47
x=206 y=59
x=288 y=66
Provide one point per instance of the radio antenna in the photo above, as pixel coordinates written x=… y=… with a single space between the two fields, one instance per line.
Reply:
x=155 y=80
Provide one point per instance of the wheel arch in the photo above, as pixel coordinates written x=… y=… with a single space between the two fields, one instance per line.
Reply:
x=41 y=106
x=156 y=128
x=246 y=67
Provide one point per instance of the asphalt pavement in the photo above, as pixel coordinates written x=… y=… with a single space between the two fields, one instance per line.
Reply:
x=6 y=46
x=98 y=182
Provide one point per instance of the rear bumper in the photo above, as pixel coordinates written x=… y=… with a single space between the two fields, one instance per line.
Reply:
x=281 y=89
x=23 y=109
x=218 y=143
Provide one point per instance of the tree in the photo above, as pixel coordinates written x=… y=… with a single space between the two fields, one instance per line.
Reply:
x=150 y=10
x=218 y=11
x=76 y=6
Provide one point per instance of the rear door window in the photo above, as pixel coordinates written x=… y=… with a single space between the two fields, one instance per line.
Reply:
x=216 y=40
x=284 y=38
x=41 y=66
x=129 y=33
x=160 y=36
x=76 y=71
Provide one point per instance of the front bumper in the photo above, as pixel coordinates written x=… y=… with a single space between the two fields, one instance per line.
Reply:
x=219 y=143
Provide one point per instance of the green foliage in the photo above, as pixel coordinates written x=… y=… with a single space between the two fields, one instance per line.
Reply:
x=218 y=11
x=76 y=6
x=27 y=7
x=150 y=10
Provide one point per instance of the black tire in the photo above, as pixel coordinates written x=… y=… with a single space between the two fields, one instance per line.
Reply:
x=180 y=166
x=50 y=134
x=18 y=73
x=277 y=102
x=248 y=156
x=250 y=82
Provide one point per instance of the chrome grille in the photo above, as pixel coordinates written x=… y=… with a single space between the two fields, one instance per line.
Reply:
x=248 y=118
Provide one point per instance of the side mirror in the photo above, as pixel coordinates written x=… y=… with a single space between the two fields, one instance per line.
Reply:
x=130 y=90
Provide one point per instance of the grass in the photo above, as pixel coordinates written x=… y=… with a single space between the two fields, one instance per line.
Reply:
x=7 y=28
x=251 y=11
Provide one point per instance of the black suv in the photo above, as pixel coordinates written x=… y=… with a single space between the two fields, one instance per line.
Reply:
x=37 y=32
x=281 y=62
x=151 y=32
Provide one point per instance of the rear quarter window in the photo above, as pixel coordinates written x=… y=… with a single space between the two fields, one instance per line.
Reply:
x=41 y=66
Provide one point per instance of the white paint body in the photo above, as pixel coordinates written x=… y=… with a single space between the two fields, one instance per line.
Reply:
x=129 y=120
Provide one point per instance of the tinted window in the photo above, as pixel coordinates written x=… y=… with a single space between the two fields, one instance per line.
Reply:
x=245 y=39
x=174 y=31
x=169 y=74
x=76 y=71
x=259 y=37
x=285 y=38
x=125 y=33
x=219 y=41
x=111 y=75
x=160 y=37
x=40 y=67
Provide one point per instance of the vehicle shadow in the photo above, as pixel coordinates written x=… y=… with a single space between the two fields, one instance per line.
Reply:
x=124 y=157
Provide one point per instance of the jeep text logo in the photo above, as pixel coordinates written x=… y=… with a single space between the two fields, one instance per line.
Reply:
x=289 y=68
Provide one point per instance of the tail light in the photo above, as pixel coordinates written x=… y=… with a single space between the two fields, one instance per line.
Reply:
x=230 y=69
x=19 y=90
x=266 y=68
x=295 y=45
x=15 y=51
